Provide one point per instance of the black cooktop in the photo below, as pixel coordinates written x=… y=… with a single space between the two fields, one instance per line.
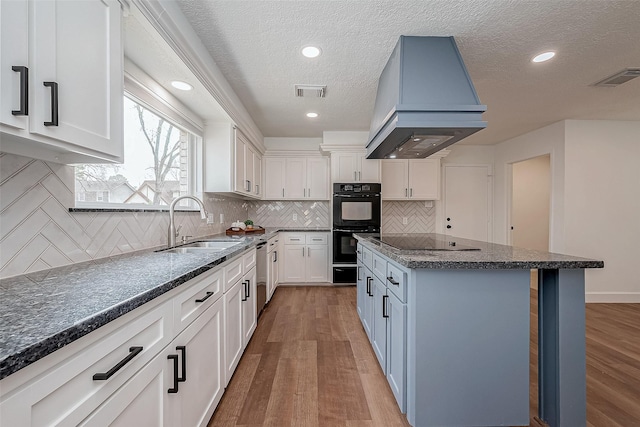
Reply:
x=424 y=242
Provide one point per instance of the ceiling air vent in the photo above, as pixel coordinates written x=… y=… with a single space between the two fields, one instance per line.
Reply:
x=619 y=78
x=314 y=91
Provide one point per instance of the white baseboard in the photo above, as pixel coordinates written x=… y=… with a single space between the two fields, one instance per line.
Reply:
x=612 y=297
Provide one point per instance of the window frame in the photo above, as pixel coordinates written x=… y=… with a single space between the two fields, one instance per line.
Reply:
x=179 y=116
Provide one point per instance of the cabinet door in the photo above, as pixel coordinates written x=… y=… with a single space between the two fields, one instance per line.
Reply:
x=318 y=179
x=367 y=307
x=424 y=179
x=274 y=177
x=204 y=384
x=394 y=176
x=249 y=168
x=379 y=327
x=77 y=44
x=249 y=315
x=397 y=349
x=316 y=263
x=295 y=186
x=257 y=175
x=276 y=268
x=233 y=329
x=361 y=290
x=142 y=402
x=344 y=167
x=14 y=52
x=294 y=263
x=240 y=162
x=369 y=170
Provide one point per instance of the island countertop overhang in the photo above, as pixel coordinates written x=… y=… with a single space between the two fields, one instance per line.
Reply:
x=490 y=256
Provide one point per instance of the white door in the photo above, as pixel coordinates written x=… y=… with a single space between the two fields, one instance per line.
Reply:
x=294 y=263
x=467 y=201
x=87 y=70
x=369 y=169
x=295 y=181
x=240 y=163
x=394 y=178
x=317 y=179
x=14 y=52
x=203 y=387
x=424 y=179
x=317 y=263
x=233 y=328
x=274 y=178
x=344 y=167
x=249 y=315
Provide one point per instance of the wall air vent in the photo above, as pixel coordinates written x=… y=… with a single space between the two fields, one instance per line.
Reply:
x=619 y=78
x=313 y=91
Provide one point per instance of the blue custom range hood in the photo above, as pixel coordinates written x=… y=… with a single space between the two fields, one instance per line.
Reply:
x=425 y=101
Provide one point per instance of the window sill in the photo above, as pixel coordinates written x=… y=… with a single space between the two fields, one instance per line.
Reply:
x=163 y=209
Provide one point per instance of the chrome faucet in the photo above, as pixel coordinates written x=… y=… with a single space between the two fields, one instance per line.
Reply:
x=173 y=233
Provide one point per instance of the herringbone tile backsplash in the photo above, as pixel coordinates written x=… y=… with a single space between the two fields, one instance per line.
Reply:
x=37 y=231
x=420 y=219
x=281 y=214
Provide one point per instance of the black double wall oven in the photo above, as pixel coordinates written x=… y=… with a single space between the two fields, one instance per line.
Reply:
x=356 y=209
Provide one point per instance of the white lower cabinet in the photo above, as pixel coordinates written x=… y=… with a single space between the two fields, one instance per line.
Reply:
x=165 y=363
x=306 y=257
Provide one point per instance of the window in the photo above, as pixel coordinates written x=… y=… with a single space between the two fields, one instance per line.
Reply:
x=158 y=159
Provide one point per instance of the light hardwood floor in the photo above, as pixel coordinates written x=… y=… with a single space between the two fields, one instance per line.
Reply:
x=310 y=363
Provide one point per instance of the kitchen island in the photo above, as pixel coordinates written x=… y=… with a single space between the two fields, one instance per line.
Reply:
x=450 y=328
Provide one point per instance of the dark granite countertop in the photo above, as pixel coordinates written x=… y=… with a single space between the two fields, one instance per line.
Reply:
x=46 y=310
x=490 y=255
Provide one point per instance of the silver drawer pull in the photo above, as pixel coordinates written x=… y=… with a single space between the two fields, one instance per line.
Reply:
x=393 y=282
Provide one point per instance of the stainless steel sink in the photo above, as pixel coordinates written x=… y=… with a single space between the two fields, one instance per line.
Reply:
x=212 y=244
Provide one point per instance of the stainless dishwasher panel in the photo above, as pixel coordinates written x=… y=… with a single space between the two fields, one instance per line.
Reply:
x=261 y=276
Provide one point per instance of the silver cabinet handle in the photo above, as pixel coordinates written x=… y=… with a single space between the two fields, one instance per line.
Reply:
x=355 y=175
x=309 y=192
x=359 y=176
x=304 y=192
x=283 y=192
x=257 y=188
x=303 y=252
x=411 y=192
x=405 y=192
x=308 y=251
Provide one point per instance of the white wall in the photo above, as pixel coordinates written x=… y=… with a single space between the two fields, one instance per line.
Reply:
x=602 y=204
x=546 y=140
x=595 y=198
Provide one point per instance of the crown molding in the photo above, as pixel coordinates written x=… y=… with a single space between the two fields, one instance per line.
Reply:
x=167 y=18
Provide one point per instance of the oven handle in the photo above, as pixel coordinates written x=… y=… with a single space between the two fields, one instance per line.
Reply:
x=350 y=231
x=357 y=196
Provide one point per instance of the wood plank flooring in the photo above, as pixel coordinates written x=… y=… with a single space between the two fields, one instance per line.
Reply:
x=310 y=363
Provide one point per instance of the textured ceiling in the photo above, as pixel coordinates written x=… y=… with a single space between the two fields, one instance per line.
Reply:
x=256 y=44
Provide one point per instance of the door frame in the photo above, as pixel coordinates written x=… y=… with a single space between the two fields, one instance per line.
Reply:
x=440 y=207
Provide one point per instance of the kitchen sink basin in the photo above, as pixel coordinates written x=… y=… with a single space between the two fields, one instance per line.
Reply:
x=212 y=244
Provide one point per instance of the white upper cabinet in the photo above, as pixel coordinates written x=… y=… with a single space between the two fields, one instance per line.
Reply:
x=231 y=162
x=296 y=178
x=417 y=179
x=62 y=80
x=354 y=167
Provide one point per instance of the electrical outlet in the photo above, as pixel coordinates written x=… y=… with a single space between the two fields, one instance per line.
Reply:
x=210 y=218
x=295 y=217
x=428 y=203
x=404 y=220
x=221 y=218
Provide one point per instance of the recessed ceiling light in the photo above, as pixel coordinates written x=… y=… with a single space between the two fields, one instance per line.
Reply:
x=545 y=56
x=311 y=51
x=181 y=85
x=312 y=115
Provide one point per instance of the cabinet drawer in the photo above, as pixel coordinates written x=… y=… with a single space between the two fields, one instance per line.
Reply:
x=232 y=272
x=201 y=292
x=367 y=258
x=68 y=392
x=294 y=239
x=316 y=239
x=249 y=260
x=397 y=281
x=379 y=267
